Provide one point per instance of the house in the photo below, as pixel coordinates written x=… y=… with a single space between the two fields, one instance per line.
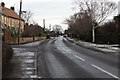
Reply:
x=32 y=30
x=10 y=18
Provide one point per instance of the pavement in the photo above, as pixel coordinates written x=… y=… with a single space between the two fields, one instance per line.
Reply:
x=24 y=61
x=105 y=48
x=59 y=57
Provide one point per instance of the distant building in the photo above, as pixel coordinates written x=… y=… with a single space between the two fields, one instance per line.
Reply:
x=10 y=18
x=31 y=30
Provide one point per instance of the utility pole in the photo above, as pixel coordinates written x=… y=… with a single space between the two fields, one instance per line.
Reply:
x=93 y=34
x=50 y=27
x=1 y=44
x=93 y=16
x=20 y=12
x=44 y=25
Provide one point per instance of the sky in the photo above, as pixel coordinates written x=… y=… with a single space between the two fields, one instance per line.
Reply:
x=53 y=11
x=119 y=7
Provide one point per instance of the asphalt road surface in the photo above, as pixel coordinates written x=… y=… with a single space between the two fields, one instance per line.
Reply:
x=59 y=58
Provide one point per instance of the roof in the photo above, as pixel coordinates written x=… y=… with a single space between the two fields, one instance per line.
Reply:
x=10 y=13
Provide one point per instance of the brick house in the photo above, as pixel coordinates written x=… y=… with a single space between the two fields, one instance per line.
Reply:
x=10 y=19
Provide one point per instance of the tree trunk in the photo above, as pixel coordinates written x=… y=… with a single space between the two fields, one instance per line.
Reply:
x=93 y=35
x=33 y=38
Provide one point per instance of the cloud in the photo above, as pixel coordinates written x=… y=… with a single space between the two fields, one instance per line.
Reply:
x=119 y=7
x=54 y=11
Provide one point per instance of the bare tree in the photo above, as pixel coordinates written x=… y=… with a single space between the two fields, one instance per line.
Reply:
x=27 y=16
x=97 y=10
x=79 y=24
x=57 y=29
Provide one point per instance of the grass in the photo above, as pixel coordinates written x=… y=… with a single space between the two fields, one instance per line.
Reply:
x=76 y=39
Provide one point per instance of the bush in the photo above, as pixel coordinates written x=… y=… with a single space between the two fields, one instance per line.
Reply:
x=43 y=34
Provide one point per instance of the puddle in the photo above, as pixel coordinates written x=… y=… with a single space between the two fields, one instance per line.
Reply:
x=29 y=61
x=19 y=49
x=28 y=72
x=33 y=76
x=25 y=54
x=28 y=68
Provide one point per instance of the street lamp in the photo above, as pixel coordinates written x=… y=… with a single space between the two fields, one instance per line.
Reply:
x=19 y=21
x=44 y=25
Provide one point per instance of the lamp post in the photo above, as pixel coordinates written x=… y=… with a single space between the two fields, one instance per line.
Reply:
x=44 y=25
x=20 y=12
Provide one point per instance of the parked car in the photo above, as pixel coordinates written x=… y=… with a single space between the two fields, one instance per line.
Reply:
x=65 y=36
x=48 y=36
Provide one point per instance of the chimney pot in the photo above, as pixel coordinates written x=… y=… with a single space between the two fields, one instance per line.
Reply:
x=2 y=4
x=12 y=8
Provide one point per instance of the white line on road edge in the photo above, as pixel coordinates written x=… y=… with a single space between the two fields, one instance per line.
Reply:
x=105 y=71
x=79 y=58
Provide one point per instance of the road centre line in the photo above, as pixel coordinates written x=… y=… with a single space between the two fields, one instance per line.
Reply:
x=105 y=72
x=79 y=58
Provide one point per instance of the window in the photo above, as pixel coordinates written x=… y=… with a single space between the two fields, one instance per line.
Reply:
x=5 y=20
x=12 y=23
x=9 y=21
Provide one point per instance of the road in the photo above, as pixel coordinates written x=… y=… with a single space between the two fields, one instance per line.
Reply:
x=59 y=58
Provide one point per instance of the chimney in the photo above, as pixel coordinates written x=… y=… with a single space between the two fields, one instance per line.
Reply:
x=26 y=24
x=12 y=8
x=2 y=4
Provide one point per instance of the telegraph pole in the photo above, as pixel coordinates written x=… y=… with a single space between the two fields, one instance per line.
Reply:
x=1 y=44
x=19 y=21
x=93 y=16
x=44 y=25
x=50 y=27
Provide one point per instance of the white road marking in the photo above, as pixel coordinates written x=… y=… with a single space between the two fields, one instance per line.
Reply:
x=79 y=58
x=105 y=71
x=64 y=49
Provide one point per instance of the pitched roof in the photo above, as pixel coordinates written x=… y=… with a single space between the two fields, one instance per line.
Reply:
x=10 y=13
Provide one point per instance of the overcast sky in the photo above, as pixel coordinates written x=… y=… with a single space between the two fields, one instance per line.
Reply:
x=54 y=11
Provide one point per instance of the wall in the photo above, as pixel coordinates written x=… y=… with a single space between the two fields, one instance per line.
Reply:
x=29 y=39
x=8 y=38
